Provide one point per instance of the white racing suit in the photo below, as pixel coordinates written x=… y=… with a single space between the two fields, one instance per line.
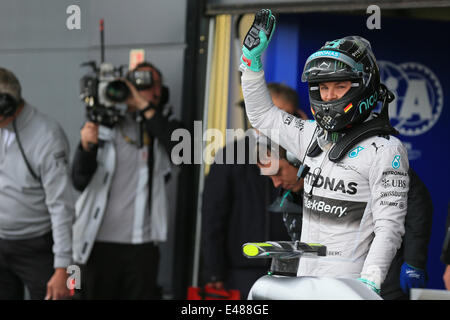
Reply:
x=358 y=205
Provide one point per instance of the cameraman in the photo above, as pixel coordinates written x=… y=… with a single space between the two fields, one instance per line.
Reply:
x=36 y=200
x=123 y=210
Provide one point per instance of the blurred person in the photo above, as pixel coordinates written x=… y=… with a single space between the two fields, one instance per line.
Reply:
x=286 y=98
x=123 y=209
x=445 y=256
x=290 y=191
x=235 y=210
x=36 y=200
x=355 y=191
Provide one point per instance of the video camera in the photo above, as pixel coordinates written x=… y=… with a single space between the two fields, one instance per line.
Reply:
x=102 y=89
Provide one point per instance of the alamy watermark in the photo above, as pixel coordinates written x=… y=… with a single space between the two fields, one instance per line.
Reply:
x=74 y=278
x=73 y=21
x=374 y=20
x=203 y=146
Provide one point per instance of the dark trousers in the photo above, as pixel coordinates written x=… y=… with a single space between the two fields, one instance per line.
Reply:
x=121 y=271
x=25 y=263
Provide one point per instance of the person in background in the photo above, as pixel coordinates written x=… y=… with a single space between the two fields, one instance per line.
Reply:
x=36 y=200
x=235 y=210
x=122 y=212
x=290 y=190
x=445 y=256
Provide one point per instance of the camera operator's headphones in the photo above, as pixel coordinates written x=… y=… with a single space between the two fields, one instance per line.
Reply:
x=8 y=105
x=143 y=80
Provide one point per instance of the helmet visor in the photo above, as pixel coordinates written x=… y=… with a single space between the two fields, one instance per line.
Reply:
x=326 y=69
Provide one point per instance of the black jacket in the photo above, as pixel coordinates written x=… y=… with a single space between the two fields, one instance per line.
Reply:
x=234 y=211
x=159 y=126
x=445 y=256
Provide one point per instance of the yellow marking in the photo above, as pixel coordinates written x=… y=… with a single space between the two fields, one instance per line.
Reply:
x=251 y=250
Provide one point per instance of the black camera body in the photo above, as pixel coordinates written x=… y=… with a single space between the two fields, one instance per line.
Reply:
x=101 y=91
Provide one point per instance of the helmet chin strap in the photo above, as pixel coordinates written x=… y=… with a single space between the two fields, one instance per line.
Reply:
x=379 y=125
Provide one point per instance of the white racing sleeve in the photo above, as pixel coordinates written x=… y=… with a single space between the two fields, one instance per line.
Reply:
x=389 y=185
x=280 y=126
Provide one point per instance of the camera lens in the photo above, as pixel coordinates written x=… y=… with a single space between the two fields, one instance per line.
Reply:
x=117 y=91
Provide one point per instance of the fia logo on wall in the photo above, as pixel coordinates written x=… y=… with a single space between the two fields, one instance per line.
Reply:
x=418 y=96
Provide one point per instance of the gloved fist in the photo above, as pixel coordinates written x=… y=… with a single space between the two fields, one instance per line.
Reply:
x=411 y=277
x=257 y=39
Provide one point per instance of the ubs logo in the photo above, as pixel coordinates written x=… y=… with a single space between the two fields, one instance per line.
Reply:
x=399 y=184
x=419 y=96
x=394 y=183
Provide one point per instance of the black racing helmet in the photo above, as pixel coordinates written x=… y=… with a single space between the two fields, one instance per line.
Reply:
x=350 y=58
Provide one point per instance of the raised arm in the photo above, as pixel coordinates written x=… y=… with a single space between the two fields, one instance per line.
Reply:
x=280 y=126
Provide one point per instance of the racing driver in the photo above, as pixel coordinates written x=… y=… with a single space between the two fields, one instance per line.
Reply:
x=356 y=172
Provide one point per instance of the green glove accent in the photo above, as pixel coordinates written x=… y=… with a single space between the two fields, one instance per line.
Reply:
x=370 y=284
x=257 y=39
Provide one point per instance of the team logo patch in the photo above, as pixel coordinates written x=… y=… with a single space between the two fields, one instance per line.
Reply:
x=396 y=162
x=354 y=153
